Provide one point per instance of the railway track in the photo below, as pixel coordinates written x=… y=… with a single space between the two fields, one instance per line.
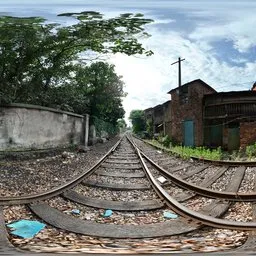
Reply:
x=126 y=184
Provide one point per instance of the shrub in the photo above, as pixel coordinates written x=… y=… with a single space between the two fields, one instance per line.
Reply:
x=166 y=141
x=251 y=151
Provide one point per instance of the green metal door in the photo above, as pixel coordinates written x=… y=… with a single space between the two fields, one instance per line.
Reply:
x=188 y=135
x=216 y=136
x=233 y=138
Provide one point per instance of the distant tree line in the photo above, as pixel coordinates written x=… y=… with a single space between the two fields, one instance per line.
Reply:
x=138 y=121
x=49 y=64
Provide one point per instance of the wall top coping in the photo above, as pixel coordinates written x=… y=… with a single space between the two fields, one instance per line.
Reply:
x=36 y=107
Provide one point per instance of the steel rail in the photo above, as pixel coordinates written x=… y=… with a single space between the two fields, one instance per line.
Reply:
x=185 y=212
x=193 y=215
x=58 y=190
x=231 y=196
x=225 y=195
x=215 y=162
x=226 y=162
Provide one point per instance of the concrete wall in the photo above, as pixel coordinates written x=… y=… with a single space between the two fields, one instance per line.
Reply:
x=25 y=126
x=189 y=109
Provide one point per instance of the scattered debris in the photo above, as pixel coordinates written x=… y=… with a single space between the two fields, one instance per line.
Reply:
x=161 y=179
x=82 y=149
x=107 y=213
x=65 y=154
x=89 y=216
x=25 y=228
x=170 y=215
x=158 y=151
x=76 y=211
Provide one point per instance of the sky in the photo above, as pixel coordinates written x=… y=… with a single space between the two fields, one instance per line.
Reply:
x=216 y=38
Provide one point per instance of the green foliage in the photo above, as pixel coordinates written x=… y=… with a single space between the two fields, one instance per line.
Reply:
x=109 y=35
x=103 y=127
x=251 y=151
x=200 y=152
x=47 y=64
x=243 y=154
x=138 y=121
x=103 y=89
x=165 y=140
x=121 y=125
x=149 y=127
x=187 y=152
x=248 y=153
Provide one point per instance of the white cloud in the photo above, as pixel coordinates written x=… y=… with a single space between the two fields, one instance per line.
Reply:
x=232 y=21
x=239 y=60
x=148 y=79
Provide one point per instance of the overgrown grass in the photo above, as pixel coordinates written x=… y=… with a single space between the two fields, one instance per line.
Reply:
x=243 y=154
x=200 y=152
x=251 y=151
x=187 y=152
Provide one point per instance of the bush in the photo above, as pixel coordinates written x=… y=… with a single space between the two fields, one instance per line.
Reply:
x=251 y=151
x=166 y=141
x=103 y=127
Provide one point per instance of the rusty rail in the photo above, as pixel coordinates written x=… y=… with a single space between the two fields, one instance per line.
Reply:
x=58 y=190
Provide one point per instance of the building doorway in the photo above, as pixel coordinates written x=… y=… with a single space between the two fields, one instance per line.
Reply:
x=188 y=133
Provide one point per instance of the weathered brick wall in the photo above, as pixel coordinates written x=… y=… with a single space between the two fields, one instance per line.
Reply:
x=192 y=110
x=247 y=133
x=158 y=114
x=167 y=118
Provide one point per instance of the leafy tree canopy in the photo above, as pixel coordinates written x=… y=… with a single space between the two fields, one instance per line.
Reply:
x=43 y=63
x=121 y=125
x=103 y=89
x=138 y=120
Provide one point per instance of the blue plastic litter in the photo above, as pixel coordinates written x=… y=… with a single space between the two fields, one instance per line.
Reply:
x=107 y=213
x=26 y=228
x=75 y=211
x=170 y=215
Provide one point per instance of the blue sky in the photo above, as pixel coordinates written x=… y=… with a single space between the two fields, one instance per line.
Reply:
x=216 y=38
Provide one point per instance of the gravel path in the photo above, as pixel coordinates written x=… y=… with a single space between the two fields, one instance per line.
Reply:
x=54 y=240
x=248 y=181
x=106 y=194
x=21 y=177
x=46 y=173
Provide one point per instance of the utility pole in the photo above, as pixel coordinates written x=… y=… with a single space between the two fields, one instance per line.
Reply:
x=179 y=61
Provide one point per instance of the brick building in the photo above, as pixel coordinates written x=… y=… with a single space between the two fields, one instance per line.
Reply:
x=160 y=117
x=230 y=119
x=167 y=123
x=187 y=112
x=198 y=115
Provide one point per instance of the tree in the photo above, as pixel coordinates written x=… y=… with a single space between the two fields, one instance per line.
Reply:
x=103 y=89
x=138 y=120
x=47 y=64
x=36 y=56
x=149 y=127
x=121 y=125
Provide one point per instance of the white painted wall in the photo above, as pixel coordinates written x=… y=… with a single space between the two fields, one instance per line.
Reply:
x=33 y=127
